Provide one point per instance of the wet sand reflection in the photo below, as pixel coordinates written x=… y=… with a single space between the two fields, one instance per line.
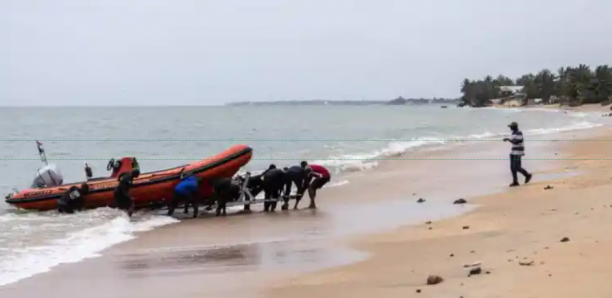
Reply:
x=301 y=256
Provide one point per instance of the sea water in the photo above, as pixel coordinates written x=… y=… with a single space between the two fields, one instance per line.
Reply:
x=344 y=138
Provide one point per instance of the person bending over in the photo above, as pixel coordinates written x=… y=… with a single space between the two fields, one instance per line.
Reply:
x=225 y=190
x=318 y=176
x=121 y=195
x=73 y=199
x=185 y=191
x=295 y=175
x=272 y=184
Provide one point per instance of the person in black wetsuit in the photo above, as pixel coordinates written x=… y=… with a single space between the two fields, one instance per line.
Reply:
x=273 y=181
x=295 y=175
x=225 y=190
x=122 y=197
x=73 y=199
x=255 y=184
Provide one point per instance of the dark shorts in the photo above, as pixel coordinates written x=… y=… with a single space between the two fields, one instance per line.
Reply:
x=64 y=207
x=273 y=190
x=516 y=162
x=298 y=181
x=319 y=182
x=122 y=202
x=180 y=197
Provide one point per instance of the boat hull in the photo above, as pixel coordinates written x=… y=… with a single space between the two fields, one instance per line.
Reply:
x=148 y=189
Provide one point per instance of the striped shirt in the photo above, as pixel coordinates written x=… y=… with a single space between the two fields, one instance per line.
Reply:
x=518 y=147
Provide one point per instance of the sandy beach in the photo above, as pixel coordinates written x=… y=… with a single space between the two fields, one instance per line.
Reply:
x=515 y=236
x=370 y=236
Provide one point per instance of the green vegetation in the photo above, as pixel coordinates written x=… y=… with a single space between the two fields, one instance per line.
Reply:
x=569 y=86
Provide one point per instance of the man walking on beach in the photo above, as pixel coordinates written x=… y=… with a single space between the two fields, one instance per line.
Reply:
x=518 y=150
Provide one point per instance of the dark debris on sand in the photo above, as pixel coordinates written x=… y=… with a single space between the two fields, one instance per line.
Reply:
x=475 y=271
x=434 y=280
x=460 y=201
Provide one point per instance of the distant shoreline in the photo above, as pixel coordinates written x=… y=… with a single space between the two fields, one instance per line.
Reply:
x=397 y=101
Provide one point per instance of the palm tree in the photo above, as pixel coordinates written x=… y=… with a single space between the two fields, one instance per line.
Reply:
x=545 y=84
x=602 y=83
x=504 y=81
x=578 y=80
x=466 y=89
x=561 y=83
x=529 y=87
x=574 y=85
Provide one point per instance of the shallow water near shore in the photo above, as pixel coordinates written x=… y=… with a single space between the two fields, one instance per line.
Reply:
x=295 y=242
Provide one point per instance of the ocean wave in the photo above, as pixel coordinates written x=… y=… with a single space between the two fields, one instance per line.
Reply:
x=112 y=227
x=367 y=161
x=339 y=183
x=522 y=109
x=575 y=126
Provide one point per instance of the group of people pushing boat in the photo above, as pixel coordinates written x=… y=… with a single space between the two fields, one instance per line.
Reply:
x=276 y=183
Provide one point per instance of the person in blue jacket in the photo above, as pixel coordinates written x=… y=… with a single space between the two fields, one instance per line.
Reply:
x=185 y=191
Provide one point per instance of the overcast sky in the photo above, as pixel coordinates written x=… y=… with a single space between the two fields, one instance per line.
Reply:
x=202 y=52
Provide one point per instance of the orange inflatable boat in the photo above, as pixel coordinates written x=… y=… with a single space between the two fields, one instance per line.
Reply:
x=149 y=189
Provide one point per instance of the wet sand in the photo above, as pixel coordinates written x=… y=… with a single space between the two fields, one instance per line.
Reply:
x=347 y=240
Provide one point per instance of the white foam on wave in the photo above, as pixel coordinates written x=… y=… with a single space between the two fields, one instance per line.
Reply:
x=520 y=109
x=483 y=135
x=571 y=127
x=74 y=247
x=339 y=183
x=502 y=109
x=539 y=131
x=580 y=114
x=356 y=162
x=366 y=161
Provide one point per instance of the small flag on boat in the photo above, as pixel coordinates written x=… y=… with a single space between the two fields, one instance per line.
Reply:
x=40 y=148
x=41 y=152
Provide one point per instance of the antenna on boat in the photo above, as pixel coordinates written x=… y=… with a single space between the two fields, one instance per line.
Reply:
x=41 y=152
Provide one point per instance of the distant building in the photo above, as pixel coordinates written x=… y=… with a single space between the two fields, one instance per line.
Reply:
x=534 y=101
x=507 y=91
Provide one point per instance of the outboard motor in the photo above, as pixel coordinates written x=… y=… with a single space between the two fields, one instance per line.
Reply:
x=48 y=176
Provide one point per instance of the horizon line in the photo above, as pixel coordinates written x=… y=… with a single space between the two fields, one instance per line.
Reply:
x=190 y=105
